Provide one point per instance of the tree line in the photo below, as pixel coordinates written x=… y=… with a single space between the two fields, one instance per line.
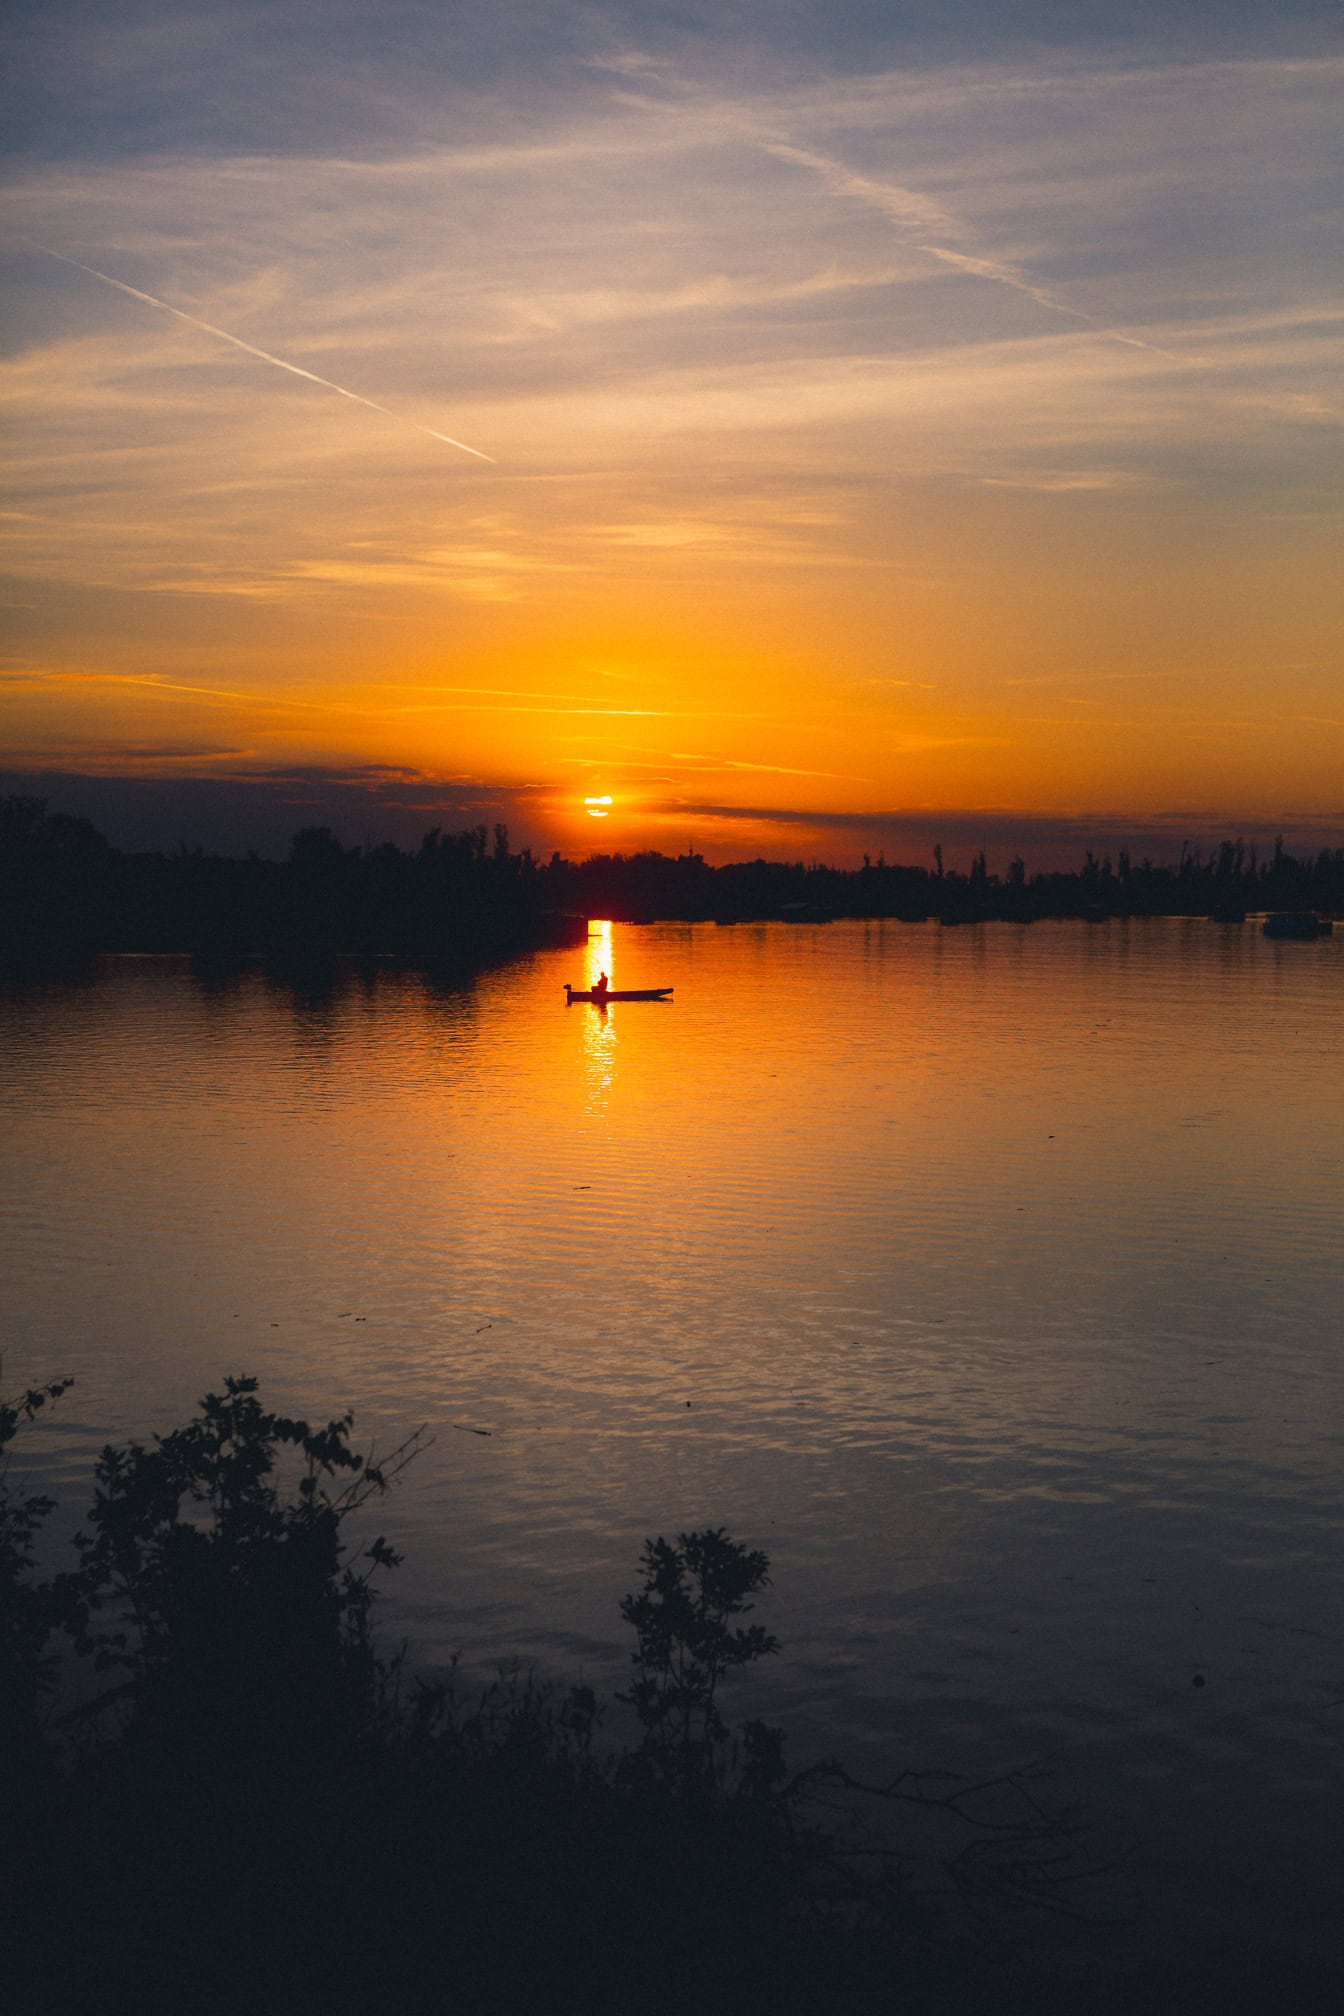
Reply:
x=459 y=898
x=1230 y=880
x=467 y=897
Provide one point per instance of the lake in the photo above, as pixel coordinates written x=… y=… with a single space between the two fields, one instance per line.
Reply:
x=990 y=1278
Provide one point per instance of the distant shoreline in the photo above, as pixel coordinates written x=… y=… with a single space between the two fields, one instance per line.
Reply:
x=466 y=899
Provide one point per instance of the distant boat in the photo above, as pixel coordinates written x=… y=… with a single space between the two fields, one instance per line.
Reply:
x=616 y=994
x=1297 y=924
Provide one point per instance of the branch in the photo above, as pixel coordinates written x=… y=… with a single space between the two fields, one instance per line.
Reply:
x=1034 y=1857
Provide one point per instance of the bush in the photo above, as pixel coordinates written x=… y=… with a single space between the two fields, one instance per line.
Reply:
x=256 y=1808
x=223 y=1588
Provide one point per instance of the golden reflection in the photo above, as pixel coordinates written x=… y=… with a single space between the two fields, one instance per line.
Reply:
x=599 y=1024
x=599 y=951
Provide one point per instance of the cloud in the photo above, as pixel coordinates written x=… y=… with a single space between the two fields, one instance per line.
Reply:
x=709 y=763
x=258 y=806
x=1047 y=839
x=446 y=700
x=1066 y=482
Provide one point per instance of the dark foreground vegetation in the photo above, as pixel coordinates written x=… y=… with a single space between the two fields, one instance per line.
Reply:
x=248 y=1805
x=465 y=899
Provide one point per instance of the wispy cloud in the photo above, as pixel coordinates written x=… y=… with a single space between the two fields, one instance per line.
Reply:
x=447 y=700
x=1064 y=482
x=768 y=769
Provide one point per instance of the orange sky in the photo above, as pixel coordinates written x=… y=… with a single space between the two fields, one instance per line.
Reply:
x=954 y=439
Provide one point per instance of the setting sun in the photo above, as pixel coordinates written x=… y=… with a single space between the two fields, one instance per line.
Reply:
x=597 y=808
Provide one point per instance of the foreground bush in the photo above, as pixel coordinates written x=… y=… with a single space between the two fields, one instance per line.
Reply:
x=254 y=1807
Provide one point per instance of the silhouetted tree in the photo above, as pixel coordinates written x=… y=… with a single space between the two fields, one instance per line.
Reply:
x=687 y=1643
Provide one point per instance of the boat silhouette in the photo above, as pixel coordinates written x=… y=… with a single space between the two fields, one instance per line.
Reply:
x=615 y=994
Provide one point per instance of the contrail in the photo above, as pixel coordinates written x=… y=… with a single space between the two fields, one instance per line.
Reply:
x=137 y=294
x=910 y=211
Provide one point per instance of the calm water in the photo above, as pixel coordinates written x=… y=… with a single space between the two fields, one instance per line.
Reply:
x=991 y=1279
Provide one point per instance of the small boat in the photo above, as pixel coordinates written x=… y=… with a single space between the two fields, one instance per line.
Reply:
x=616 y=994
x=1297 y=924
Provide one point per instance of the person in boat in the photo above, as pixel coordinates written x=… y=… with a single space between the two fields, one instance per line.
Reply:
x=600 y=984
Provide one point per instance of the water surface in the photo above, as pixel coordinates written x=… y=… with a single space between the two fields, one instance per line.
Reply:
x=990 y=1278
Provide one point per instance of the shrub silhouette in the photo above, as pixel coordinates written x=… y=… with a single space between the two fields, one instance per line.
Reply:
x=254 y=1806
x=223 y=1589
x=687 y=1645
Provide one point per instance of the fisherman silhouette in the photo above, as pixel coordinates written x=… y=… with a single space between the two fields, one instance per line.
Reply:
x=600 y=984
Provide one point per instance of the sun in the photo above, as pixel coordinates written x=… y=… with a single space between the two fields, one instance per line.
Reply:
x=597 y=808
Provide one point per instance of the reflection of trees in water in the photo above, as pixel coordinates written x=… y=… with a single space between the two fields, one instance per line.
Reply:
x=326 y=998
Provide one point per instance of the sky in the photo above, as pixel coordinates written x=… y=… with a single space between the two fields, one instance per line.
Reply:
x=812 y=429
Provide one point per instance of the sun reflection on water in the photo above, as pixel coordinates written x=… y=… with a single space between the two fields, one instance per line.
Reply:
x=599 y=951
x=599 y=1024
